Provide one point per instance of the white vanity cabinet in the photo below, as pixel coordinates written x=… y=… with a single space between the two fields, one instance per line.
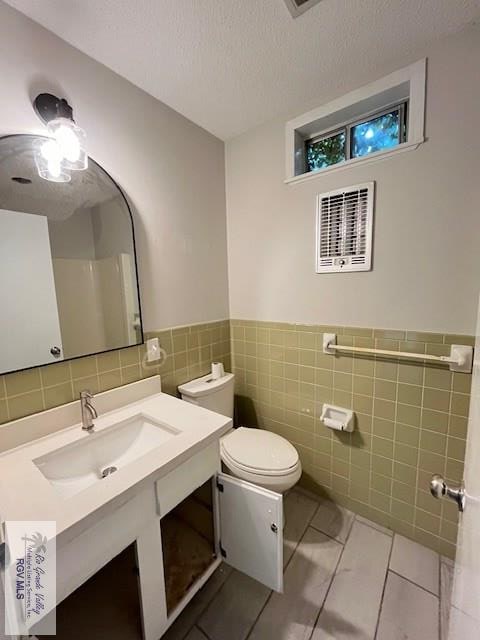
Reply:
x=121 y=527
x=247 y=530
x=243 y=528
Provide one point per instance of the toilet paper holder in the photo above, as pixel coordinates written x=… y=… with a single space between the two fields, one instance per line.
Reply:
x=337 y=418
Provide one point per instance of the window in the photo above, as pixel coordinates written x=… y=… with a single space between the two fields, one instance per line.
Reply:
x=382 y=130
x=369 y=124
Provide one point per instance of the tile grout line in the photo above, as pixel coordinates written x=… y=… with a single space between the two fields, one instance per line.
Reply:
x=309 y=524
x=250 y=631
x=327 y=535
x=366 y=522
x=70 y=374
x=334 y=573
x=200 y=631
x=42 y=388
x=415 y=584
x=384 y=587
x=395 y=441
x=417 y=465
x=195 y=624
x=446 y=456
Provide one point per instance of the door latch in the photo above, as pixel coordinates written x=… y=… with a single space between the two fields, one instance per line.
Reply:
x=439 y=488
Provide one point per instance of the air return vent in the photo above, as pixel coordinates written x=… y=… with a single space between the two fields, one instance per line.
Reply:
x=344 y=229
x=296 y=7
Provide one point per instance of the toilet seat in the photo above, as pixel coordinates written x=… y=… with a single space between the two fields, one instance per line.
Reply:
x=259 y=451
x=261 y=457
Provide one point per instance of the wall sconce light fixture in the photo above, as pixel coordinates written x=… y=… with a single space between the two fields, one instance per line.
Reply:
x=66 y=150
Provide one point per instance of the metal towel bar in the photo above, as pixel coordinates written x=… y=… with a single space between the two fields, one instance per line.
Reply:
x=460 y=358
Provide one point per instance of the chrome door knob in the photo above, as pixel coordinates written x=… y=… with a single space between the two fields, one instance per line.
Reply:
x=439 y=488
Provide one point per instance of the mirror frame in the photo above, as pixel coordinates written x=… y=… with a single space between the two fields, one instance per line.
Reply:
x=135 y=262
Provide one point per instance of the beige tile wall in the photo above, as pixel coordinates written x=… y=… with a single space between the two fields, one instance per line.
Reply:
x=411 y=419
x=189 y=353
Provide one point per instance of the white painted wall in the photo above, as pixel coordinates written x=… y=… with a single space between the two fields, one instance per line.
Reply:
x=171 y=170
x=427 y=219
x=111 y=229
x=73 y=237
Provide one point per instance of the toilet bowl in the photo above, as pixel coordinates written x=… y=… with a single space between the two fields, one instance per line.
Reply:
x=261 y=457
x=255 y=455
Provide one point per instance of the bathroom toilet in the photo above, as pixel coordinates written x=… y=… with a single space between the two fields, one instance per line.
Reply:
x=254 y=455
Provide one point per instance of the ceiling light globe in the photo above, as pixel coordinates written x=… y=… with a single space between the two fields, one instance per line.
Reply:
x=49 y=161
x=51 y=151
x=71 y=140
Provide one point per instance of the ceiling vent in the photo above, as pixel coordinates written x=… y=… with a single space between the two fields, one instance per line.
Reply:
x=297 y=7
x=344 y=229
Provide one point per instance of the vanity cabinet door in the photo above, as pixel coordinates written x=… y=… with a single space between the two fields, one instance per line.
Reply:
x=250 y=528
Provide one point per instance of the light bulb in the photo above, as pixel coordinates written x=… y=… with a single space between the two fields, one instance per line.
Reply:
x=51 y=151
x=71 y=141
x=49 y=161
x=54 y=168
x=68 y=143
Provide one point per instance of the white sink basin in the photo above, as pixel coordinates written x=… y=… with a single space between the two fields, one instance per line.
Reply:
x=82 y=464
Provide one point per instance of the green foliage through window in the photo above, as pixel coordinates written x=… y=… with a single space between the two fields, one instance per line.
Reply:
x=380 y=132
x=326 y=151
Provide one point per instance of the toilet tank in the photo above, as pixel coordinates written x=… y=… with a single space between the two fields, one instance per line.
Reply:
x=216 y=395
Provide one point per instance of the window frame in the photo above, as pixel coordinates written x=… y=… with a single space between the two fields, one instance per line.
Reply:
x=408 y=83
x=346 y=128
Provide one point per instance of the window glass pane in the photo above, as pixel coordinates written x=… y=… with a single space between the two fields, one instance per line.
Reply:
x=322 y=153
x=377 y=134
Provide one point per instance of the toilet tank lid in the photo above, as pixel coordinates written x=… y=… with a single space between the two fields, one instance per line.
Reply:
x=205 y=385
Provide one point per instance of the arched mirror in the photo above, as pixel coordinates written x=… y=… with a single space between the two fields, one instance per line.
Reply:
x=68 y=275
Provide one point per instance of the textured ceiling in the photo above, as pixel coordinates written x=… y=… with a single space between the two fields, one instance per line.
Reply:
x=230 y=65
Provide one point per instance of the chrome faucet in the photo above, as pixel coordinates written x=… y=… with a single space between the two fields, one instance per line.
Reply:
x=89 y=413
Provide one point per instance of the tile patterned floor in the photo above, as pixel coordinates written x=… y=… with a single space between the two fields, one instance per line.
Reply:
x=345 y=579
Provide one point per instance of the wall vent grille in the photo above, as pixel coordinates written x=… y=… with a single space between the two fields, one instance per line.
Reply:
x=344 y=229
x=297 y=7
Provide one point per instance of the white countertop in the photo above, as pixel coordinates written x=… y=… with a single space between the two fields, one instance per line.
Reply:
x=26 y=494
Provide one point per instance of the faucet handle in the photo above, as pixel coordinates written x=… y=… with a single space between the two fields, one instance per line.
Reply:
x=86 y=394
